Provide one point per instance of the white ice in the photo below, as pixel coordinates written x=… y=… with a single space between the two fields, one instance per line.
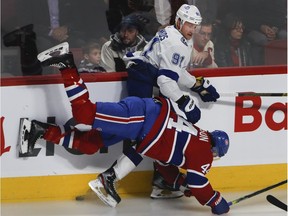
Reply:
x=144 y=206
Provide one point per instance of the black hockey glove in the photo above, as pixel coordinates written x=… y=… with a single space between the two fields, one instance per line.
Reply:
x=206 y=91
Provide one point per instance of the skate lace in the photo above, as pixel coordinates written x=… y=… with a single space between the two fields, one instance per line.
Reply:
x=36 y=139
x=113 y=183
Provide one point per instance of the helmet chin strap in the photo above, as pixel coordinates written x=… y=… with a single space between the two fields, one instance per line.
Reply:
x=181 y=23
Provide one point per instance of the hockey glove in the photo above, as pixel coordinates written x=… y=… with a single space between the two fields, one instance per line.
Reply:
x=218 y=204
x=188 y=106
x=133 y=60
x=206 y=91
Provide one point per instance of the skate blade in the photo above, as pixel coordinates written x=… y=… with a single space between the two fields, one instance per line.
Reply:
x=25 y=127
x=158 y=193
x=98 y=188
x=57 y=50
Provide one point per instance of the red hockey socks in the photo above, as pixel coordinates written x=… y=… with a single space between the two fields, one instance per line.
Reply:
x=170 y=173
x=82 y=108
x=86 y=142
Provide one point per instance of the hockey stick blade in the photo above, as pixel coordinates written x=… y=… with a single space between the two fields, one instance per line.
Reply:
x=256 y=193
x=276 y=202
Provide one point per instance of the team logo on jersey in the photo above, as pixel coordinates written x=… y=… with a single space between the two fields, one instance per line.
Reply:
x=184 y=41
x=162 y=34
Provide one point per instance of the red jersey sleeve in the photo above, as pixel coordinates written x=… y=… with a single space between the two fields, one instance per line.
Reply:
x=198 y=163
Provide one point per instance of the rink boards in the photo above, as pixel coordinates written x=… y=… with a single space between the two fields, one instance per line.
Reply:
x=257 y=126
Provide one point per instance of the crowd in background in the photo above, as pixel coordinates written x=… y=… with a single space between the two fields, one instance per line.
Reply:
x=233 y=33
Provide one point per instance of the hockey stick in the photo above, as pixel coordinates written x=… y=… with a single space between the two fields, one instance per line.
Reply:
x=256 y=193
x=249 y=94
x=273 y=200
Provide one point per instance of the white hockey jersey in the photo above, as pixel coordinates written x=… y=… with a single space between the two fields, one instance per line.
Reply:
x=170 y=53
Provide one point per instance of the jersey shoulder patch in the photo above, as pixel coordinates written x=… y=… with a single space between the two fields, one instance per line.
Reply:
x=184 y=41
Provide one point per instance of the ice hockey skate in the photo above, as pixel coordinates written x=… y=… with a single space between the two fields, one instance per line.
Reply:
x=57 y=56
x=162 y=190
x=104 y=187
x=30 y=132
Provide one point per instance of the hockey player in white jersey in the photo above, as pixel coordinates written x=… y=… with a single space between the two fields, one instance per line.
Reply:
x=162 y=63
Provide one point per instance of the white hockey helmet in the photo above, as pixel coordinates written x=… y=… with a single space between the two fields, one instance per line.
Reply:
x=189 y=13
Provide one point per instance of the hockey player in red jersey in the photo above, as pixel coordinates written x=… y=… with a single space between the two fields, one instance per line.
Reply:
x=163 y=63
x=158 y=132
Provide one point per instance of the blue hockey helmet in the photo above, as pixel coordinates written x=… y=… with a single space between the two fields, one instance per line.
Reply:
x=220 y=143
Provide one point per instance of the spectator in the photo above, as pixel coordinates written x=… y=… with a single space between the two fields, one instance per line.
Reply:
x=163 y=12
x=18 y=36
x=269 y=21
x=231 y=48
x=266 y=23
x=92 y=59
x=25 y=39
x=143 y=8
x=126 y=39
x=116 y=11
x=166 y=11
x=207 y=8
x=146 y=10
x=203 y=49
x=57 y=21
x=53 y=21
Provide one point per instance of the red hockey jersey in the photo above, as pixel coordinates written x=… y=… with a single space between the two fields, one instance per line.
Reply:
x=176 y=141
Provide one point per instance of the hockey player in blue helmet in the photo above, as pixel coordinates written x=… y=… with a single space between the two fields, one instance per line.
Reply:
x=220 y=143
x=159 y=133
x=163 y=63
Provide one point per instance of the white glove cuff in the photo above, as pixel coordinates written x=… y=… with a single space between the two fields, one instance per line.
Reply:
x=206 y=83
x=190 y=106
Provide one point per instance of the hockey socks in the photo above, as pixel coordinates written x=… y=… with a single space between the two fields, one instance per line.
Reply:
x=127 y=162
x=170 y=173
x=82 y=108
x=86 y=142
